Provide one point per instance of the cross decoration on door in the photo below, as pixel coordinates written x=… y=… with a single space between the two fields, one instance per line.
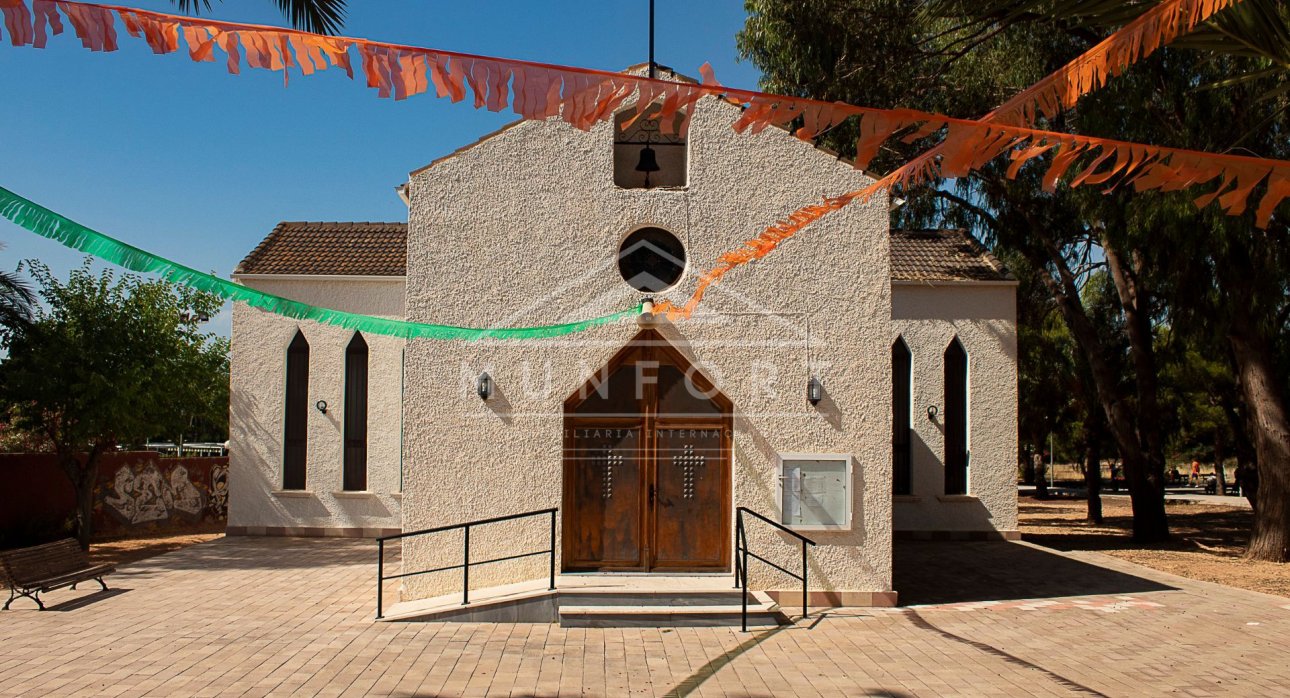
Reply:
x=691 y=465
x=607 y=460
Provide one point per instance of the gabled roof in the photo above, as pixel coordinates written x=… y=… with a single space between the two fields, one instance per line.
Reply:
x=942 y=255
x=381 y=249
x=324 y=249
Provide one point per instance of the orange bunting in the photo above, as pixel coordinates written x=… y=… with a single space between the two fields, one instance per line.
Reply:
x=1062 y=89
x=584 y=97
x=1136 y=40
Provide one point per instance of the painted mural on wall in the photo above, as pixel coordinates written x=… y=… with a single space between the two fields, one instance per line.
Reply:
x=137 y=492
x=154 y=492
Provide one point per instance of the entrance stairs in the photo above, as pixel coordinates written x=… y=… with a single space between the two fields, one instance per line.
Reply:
x=619 y=600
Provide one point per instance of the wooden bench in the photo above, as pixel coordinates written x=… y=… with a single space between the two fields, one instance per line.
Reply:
x=32 y=571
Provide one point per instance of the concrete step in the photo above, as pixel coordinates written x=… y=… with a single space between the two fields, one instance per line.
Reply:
x=600 y=601
x=651 y=611
x=615 y=597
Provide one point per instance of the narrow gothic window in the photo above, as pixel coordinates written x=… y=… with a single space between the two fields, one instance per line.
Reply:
x=646 y=155
x=356 y=415
x=956 y=418
x=901 y=384
x=295 y=437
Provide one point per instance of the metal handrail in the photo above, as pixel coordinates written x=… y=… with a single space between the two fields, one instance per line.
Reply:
x=742 y=554
x=467 y=563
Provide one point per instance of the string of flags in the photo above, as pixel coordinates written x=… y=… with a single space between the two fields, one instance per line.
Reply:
x=584 y=97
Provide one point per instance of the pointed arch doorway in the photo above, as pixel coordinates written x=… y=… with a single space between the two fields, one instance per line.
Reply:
x=647 y=476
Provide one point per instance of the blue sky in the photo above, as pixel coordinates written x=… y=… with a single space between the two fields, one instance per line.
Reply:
x=187 y=161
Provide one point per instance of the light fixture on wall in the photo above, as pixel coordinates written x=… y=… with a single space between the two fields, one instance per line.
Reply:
x=484 y=387
x=322 y=406
x=814 y=391
x=932 y=411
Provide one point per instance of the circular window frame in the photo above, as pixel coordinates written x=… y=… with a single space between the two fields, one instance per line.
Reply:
x=685 y=268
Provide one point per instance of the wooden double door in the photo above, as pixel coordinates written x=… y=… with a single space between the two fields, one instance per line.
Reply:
x=647 y=466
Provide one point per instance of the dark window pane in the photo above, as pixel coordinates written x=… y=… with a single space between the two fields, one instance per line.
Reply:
x=901 y=384
x=651 y=259
x=678 y=395
x=956 y=419
x=618 y=394
x=295 y=434
x=356 y=414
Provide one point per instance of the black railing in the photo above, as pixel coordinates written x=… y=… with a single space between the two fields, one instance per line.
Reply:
x=466 y=563
x=742 y=554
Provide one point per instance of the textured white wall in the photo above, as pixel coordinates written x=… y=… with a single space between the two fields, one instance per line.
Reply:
x=257 y=391
x=984 y=319
x=523 y=229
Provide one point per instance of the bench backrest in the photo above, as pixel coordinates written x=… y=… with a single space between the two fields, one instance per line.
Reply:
x=44 y=561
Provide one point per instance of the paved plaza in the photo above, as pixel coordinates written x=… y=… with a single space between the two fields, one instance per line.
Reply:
x=284 y=616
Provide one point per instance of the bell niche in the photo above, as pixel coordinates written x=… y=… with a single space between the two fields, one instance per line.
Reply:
x=647 y=156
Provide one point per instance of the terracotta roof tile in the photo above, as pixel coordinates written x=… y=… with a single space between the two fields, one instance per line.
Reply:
x=345 y=249
x=380 y=249
x=942 y=255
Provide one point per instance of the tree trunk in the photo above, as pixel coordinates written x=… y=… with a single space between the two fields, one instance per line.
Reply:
x=1146 y=493
x=1027 y=467
x=1093 y=471
x=1135 y=303
x=1266 y=401
x=84 y=476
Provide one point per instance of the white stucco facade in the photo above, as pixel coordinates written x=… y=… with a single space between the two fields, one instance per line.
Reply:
x=928 y=316
x=257 y=502
x=524 y=229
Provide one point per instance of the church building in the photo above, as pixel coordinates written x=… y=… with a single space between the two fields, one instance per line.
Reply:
x=857 y=386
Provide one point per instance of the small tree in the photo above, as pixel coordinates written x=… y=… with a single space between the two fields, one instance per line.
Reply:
x=110 y=361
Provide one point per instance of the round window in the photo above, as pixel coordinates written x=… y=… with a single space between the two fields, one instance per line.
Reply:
x=651 y=259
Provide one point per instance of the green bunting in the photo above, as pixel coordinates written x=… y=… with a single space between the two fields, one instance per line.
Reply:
x=49 y=224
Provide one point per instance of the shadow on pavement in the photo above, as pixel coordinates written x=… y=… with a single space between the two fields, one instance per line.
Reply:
x=939 y=572
x=261 y=553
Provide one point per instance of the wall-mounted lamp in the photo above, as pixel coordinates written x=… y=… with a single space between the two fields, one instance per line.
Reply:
x=814 y=391
x=322 y=406
x=932 y=412
x=484 y=387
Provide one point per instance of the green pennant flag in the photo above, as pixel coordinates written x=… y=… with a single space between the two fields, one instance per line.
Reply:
x=49 y=224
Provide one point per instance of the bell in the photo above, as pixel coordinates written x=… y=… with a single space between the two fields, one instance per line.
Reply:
x=649 y=162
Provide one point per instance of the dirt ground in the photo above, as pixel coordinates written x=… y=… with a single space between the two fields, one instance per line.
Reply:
x=126 y=550
x=1208 y=540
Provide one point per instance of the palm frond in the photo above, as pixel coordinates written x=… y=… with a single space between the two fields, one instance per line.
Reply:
x=317 y=16
x=16 y=301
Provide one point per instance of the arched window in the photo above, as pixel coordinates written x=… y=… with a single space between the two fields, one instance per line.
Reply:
x=956 y=418
x=296 y=433
x=356 y=415
x=901 y=385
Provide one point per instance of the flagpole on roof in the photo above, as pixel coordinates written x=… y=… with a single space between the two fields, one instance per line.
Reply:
x=652 y=72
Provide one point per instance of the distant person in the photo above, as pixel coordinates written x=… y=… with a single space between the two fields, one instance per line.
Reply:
x=1174 y=475
x=1195 y=474
x=1041 y=475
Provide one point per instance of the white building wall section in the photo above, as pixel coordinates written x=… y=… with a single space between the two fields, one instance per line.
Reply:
x=257 y=503
x=523 y=229
x=983 y=317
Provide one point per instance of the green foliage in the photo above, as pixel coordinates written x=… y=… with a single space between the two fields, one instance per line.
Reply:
x=318 y=16
x=16 y=300
x=114 y=361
